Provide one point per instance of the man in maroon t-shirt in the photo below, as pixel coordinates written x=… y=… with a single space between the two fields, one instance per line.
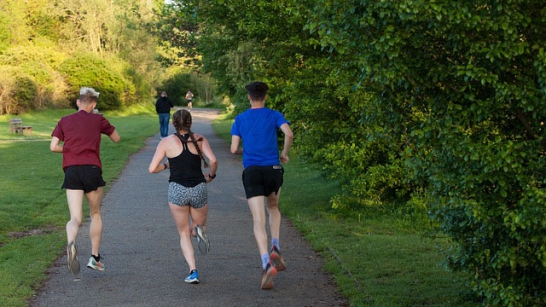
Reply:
x=77 y=137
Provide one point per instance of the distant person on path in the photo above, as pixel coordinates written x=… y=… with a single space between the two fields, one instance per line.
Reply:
x=187 y=193
x=189 y=99
x=163 y=107
x=263 y=174
x=80 y=134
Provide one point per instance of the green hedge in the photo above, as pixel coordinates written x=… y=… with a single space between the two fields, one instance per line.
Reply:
x=30 y=73
x=89 y=70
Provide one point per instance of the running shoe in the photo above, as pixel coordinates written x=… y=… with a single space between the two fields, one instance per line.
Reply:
x=267 y=277
x=193 y=278
x=202 y=240
x=94 y=264
x=276 y=259
x=72 y=254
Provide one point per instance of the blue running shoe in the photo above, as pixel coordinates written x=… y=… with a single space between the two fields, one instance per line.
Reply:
x=193 y=278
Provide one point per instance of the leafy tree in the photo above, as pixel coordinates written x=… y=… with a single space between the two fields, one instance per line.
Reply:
x=179 y=81
x=13 y=14
x=246 y=40
x=175 y=33
x=131 y=40
x=41 y=34
x=464 y=81
x=403 y=97
x=4 y=31
x=241 y=41
x=84 y=22
x=176 y=86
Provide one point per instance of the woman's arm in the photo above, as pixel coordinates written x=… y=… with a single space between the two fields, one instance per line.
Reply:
x=156 y=165
x=213 y=163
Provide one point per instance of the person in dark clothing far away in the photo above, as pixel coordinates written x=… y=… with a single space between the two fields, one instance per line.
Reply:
x=163 y=107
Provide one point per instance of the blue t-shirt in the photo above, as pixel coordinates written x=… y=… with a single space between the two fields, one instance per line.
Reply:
x=258 y=130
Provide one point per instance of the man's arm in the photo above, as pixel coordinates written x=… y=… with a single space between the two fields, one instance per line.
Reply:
x=288 y=138
x=235 y=141
x=115 y=136
x=55 y=145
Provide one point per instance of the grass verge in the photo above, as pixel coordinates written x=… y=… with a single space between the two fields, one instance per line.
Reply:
x=376 y=258
x=33 y=208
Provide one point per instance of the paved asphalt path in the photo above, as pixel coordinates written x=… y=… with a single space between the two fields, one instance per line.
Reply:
x=141 y=251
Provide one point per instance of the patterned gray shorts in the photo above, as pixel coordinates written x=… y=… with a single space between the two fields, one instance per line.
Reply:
x=180 y=195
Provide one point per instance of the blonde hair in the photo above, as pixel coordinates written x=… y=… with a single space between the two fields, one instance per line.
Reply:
x=88 y=95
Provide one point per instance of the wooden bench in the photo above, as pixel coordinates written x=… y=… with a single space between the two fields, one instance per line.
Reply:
x=16 y=126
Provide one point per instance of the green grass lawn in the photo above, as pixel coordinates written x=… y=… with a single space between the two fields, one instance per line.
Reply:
x=376 y=259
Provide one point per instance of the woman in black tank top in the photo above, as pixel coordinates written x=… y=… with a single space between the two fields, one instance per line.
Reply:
x=187 y=184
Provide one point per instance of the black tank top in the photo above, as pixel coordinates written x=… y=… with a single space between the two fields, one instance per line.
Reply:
x=186 y=167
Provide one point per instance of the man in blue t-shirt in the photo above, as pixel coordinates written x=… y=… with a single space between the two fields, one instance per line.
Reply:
x=263 y=173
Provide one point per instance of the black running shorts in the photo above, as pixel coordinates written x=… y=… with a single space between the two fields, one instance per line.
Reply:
x=262 y=180
x=83 y=177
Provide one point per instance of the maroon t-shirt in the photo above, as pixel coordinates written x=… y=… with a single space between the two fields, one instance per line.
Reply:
x=81 y=134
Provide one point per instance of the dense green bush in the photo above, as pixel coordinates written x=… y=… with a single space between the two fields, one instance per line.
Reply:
x=18 y=91
x=92 y=71
x=39 y=62
x=143 y=90
x=335 y=131
x=176 y=86
x=180 y=81
x=26 y=92
x=4 y=32
x=464 y=83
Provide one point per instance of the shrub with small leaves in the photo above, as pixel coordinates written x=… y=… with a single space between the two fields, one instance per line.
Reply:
x=465 y=83
x=92 y=71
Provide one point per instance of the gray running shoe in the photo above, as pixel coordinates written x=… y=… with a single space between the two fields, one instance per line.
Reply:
x=94 y=264
x=72 y=254
x=202 y=240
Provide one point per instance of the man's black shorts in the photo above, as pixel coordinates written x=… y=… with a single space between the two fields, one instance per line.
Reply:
x=83 y=177
x=262 y=180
